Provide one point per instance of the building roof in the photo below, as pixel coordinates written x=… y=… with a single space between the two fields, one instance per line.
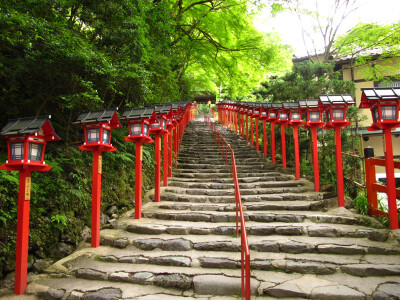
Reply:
x=30 y=126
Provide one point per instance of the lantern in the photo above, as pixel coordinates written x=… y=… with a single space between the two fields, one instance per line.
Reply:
x=26 y=141
x=384 y=106
x=313 y=112
x=139 y=130
x=295 y=121
x=283 y=119
x=335 y=107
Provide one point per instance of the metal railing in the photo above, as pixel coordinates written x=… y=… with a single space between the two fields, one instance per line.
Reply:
x=226 y=149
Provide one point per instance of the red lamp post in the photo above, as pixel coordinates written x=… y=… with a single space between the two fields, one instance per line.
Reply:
x=264 y=116
x=272 y=114
x=97 y=126
x=384 y=106
x=158 y=128
x=139 y=130
x=295 y=121
x=168 y=153
x=26 y=143
x=247 y=111
x=283 y=120
x=314 y=121
x=256 y=115
x=335 y=107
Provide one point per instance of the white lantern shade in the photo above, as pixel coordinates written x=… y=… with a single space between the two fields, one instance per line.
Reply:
x=92 y=135
x=106 y=136
x=389 y=112
x=337 y=114
x=35 y=151
x=17 y=151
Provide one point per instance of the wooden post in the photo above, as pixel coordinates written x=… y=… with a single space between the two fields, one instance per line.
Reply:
x=296 y=151
x=96 y=197
x=283 y=146
x=157 y=168
x=138 y=180
x=315 y=157
x=339 y=167
x=265 y=136
x=257 y=142
x=21 y=255
x=273 y=142
x=165 y=159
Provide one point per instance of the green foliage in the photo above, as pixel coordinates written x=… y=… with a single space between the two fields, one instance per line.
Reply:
x=306 y=80
x=364 y=42
x=361 y=203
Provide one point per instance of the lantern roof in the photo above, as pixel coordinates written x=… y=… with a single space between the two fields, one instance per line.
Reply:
x=327 y=100
x=101 y=115
x=30 y=126
x=138 y=113
x=162 y=108
x=290 y=105
x=276 y=106
x=371 y=95
x=305 y=104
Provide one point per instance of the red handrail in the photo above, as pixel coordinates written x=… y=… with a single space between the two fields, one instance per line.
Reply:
x=223 y=146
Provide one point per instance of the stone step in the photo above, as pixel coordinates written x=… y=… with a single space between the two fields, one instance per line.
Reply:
x=220 y=186
x=271 y=244
x=310 y=196
x=271 y=176
x=231 y=192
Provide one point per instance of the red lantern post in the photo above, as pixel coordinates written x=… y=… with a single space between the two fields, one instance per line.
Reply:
x=158 y=128
x=256 y=115
x=139 y=130
x=98 y=126
x=295 y=122
x=335 y=107
x=272 y=114
x=167 y=146
x=283 y=120
x=384 y=106
x=264 y=116
x=26 y=142
x=313 y=113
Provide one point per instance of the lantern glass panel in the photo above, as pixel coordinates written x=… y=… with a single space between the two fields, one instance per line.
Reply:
x=375 y=114
x=35 y=151
x=283 y=116
x=314 y=115
x=164 y=124
x=264 y=113
x=156 y=125
x=106 y=136
x=337 y=114
x=136 y=128
x=272 y=115
x=146 y=130
x=328 y=116
x=17 y=151
x=295 y=116
x=93 y=135
x=389 y=112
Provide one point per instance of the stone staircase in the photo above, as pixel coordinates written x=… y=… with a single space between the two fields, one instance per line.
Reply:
x=185 y=246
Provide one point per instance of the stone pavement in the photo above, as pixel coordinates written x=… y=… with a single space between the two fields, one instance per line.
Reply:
x=185 y=246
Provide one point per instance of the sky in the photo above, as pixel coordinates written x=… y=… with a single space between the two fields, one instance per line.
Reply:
x=288 y=26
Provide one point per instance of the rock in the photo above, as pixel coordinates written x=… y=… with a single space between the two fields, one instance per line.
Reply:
x=41 y=264
x=387 y=291
x=217 y=246
x=289 y=230
x=51 y=294
x=178 y=281
x=285 y=289
x=378 y=235
x=112 y=210
x=265 y=246
x=213 y=262
x=220 y=285
x=108 y=258
x=76 y=295
x=146 y=229
x=321 y=231
x=261 y=265
x=104 y=294
x=261 y=230
x=138 y=259
x=201 y=231
x=85 y=233
x=262 y=218
x=148 y=244
x=296 y=247
x=336 y=292
x=62 y=250
x=91 y=274
x=289 y=218
x=104 y=219
x=193 y=217
x=224 y=230
x=178 y=230
x=340 y=249
x=171 y=261
x=139 y=277
x=306 y=267
x=176 y=245
x=364 y=270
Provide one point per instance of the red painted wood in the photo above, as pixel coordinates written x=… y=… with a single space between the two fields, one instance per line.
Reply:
x=21 y=255
x=339 y=167
x=315 y=157
x=96 y=199
x=265 y=136
x=165 y=159
x=296 y=151
x=138 y=181
x=157 y=168
x=257 y=142
x=283 y=146
x=273 y=142
x=252 y=132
